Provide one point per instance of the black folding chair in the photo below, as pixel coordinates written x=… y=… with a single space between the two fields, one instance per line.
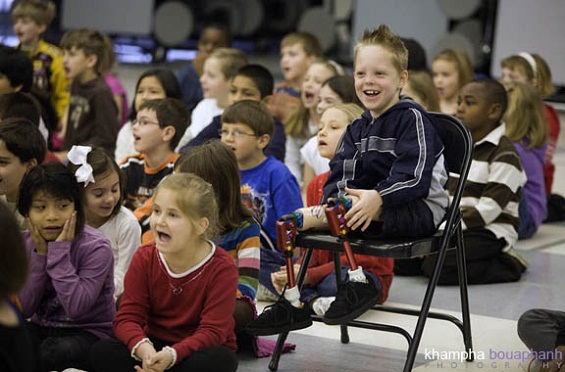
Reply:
x=458 y=154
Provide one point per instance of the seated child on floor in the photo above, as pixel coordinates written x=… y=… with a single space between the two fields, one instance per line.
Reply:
x=525 y=127
x=18 y=353
x=239 y=235
x=69 y=295
x=178 y=303
x=157 y=130
x=267 y=186
x=489 y=205
x=102 y=182
x=397 y=181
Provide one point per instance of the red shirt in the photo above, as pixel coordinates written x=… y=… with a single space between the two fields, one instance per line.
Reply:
x=322 y=264
x=200 y=316
x=553 y=128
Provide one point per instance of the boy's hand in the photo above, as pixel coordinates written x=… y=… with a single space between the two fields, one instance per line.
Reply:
x=38 y=241
x=68 y=233
x=365 y=210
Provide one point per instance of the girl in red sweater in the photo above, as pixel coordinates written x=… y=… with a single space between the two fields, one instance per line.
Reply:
x=177 y=308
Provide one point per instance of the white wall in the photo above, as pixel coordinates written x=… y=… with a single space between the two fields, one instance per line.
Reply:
x=422 y=20
x=531 y=26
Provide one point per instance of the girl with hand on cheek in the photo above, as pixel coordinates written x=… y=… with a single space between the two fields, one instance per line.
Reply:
x=69 y=293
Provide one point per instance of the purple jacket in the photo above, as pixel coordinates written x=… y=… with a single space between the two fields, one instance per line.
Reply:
x=534 y=190
x=72 y=286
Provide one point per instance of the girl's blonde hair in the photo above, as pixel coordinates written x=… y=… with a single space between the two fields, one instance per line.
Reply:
x=422 y=84
x=543 y=77
x=297 y=124
x=462 y=63
x=524 y=117
x=351 y=110
x=520 y=64
x=195 y=199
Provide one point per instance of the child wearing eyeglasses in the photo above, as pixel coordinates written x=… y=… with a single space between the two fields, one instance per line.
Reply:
x=157 y=129
x=267 y=186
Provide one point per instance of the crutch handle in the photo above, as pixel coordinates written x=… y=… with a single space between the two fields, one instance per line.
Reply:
x=335 y=213
x=286 y=232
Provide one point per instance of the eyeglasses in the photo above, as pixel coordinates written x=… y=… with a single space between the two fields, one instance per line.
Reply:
x=236 y=134
x=143 y=122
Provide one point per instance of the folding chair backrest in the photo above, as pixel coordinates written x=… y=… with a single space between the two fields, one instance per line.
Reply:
x=458 y=152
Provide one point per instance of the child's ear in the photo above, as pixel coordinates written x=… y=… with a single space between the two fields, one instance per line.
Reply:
x=31 y=163
x=41 y=28
x=264 y=140
x=203 y=225
x=403 y=79
x=495 y=112
x=168 y=133
x=91 y=60
x=267 y=100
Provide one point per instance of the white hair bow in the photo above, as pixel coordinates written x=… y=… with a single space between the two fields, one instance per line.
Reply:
x=77 y=155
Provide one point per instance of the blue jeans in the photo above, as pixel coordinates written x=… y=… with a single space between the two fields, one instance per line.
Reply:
x=527 y=225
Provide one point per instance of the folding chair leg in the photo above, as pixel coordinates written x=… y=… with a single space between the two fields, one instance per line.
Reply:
x=338 y=279
x=277 y=352
x=274 y=363
x=465 y=312
x=425 y=309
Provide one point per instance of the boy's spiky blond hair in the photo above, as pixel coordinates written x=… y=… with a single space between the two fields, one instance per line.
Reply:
x=384 y=37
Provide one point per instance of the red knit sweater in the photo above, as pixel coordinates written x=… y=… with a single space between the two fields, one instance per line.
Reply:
x=321 y=263
x=198 y=317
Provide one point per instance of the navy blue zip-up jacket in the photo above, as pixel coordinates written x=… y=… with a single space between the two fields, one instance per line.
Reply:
x=399 y=154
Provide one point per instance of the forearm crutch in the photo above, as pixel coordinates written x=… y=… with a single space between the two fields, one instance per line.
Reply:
x=286 y=233
x=335 y=213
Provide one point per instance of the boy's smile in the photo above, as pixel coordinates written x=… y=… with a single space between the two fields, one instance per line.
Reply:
x=377 y=82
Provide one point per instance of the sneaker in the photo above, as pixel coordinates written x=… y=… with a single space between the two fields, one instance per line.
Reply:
x=352 y=299
x=280 y=317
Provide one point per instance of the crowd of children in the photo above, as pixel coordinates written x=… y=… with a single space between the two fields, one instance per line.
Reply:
x=123 y=224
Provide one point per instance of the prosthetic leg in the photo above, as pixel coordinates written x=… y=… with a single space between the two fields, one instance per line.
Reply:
x=359 y=293
x=288 y=313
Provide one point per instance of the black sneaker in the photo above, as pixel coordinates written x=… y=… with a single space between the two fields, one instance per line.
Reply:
x=280 y=317
x=352 y=299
